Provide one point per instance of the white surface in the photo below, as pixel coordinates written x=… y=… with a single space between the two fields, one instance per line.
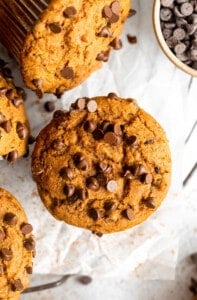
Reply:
x=164 y=91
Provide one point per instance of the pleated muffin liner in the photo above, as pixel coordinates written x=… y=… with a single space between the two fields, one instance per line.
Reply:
x=17 y=18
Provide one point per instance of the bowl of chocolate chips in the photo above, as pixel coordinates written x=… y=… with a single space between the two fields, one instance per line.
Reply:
x=175 y=26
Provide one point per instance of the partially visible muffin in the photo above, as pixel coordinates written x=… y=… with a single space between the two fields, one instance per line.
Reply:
x=14 y=126
x=17 y=247
x=60 y=43
x=104 y=166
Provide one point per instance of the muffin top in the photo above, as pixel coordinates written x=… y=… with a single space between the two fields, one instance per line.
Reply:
x=17 y=247
x=14 y=126
x=105 y=165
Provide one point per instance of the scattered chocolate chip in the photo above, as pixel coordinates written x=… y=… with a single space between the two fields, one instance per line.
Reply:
x=89 y=126
x=110 y=138
x=2 y=270
x=99 y=234
x=70 y=12
x=116 y=44
x=104 y=32
x=93 y=214
x=2 y=235
x=84 y=279
x=67 y=72
x=80 y=162
x=26 y=228
x=98 y=134
x=6 y=254
x=22 y=130
x=92 y=183
x=112 y=186
x=92 y=106
x=67 y=173
x=131 y=39
x=29 y=244
x=29 y=269
x=2 y=118
x=110 y=206
x=55 y=27
x=146 y=178
x=103 y=56
x=81 y=103
x=6 y=125
x=10 y=219
x=17 y=285
x=49 y=106
x=128 y=213
x=69 y=190
x=150 y=202
x=132 y=12
x=17 y=101
x=149 y=142
x=2 y=92
x=132 y=141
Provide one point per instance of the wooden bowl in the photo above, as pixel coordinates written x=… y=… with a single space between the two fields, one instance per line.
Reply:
x=162 y=42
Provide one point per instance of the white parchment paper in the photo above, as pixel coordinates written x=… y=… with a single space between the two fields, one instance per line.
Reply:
x=149 y=250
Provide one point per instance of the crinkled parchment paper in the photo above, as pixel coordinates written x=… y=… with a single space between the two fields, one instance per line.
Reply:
x=149 y=250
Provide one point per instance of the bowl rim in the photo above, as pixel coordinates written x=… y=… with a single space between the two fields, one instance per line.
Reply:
x=162 y=42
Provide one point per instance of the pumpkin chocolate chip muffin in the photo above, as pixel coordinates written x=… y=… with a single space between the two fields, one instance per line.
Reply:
x=17 y=247
x=14 y=126
x=105 y=165
x=60 y=43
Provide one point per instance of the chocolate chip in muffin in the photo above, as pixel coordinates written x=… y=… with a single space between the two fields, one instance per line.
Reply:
x=70 y=12
x=6 y=254
x=6 y=125
x=128 y=213
x=22 y=130
x=11 y=156
x=80 y=162
x=67 y=72
x=55 y=27
x=67 y=173
x=89 y=126
x=69 y=190
x=10 y=219
x=92 y=183
x=149 y=202
x=93 y=214
x=107 y=12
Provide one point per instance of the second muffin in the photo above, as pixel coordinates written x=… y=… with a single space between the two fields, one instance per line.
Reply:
x=105 y=165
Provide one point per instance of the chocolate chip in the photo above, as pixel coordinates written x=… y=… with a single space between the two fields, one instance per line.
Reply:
x=179 y=34
x=186 y=9
x=112 y=186
x=29 y=244
x=107 y=12
x=29 y=269
x=157 y=170
x=149 y=142
x=165 y=14
x=10 y=94
x=146 y=178
x=80 y=162
x=112 y=96
x=110 y=138
x=132 y=141
x=69 y=190
x=92 y=183
x=110 y=206
x=167 y=3
x=92 y=106
x=102 y=179
x=105 y=168
x=67 y=73
x=21 y=92
x=104 y=32
x=38 y=82
x=84 y=279
x=10 y=219
x=99 y=234
x=81 y=103
x=139 y=169
x=31 y=140
x=115 y=7
x=128 y=213
x=116 y=44
x=17 y=285
x=114 y=19
x=93 y=214
x=26 y=228
x=132 y=12
x=2 y=270
x=2 y=118
x=171 y=42
x=72 y=199
x=6 y=254
x=98 y=134
x=70 y=12
x=117 y=129
x=7 y=126
x=2 y=92
x=55 y=27
x=11 y=156
x=17 y=101
x=49 y=106
x=150 y=202
x=131 y=39
x=21 y=130
x=89 y=126
x=103 y=56
x=82 y=193
x=128 y=175
x=2 y=235
x=67 y=173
